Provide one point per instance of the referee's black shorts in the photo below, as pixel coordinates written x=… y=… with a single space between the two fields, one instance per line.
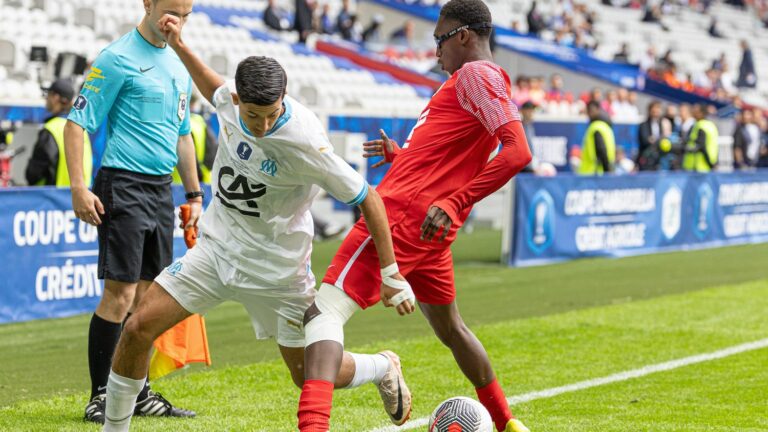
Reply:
x=136 y=231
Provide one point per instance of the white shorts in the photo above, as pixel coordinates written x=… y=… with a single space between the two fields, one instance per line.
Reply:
x=200 y=281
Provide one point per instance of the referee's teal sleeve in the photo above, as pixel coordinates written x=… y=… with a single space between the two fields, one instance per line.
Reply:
x=101 y=87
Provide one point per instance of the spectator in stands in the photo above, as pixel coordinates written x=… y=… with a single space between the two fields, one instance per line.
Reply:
x=537 y=94
x=623 y=55
x=624 y=165
x=598 y=149
x=713 y=30
x=555 y=92
x=653 y=15
x=302 y=21
x=527 y=110
x=648 y=60
x=372 y=33
x=623 y=108
x=726 y=81
x=762 y=161
x=405 y=35
x=650 y=135
x=747 y=76
x=48 y=165
x=522 y=90
x=344 y=21
x=701 y=151
x=747 y=141
x=536 y=22
x=274 y=18
x=325 y=22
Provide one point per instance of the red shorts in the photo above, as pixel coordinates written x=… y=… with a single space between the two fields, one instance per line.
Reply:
x=356 y=269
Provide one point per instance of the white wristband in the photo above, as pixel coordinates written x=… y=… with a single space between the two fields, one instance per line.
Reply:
x=406 y=293
x=390 y=270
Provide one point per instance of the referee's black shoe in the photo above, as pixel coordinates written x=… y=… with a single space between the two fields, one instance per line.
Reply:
x=156 y=405
x=94 y=411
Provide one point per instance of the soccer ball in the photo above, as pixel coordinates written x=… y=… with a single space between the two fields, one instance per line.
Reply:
x=460 y=414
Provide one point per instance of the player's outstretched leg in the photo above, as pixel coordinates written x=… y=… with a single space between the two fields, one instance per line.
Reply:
x=382 y=369
x=473 y=362
x=327 y=365
x=156 y=313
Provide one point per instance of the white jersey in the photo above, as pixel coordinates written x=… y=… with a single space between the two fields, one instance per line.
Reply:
x=258 y=217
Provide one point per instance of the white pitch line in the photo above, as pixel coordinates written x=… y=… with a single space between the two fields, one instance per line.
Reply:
x=617 y=377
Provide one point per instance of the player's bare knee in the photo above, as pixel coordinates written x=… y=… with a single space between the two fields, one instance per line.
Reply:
x=137 y=333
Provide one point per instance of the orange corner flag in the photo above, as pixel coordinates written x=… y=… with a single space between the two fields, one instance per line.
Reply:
x=187 y=341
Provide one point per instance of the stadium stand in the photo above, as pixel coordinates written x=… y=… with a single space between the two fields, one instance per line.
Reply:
x=221 y=35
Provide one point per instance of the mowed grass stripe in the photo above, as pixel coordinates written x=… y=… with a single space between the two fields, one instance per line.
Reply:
x=610 y=379
x=528 y=355
x=32 y=354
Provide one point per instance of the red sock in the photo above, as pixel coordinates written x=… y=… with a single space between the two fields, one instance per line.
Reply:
x=315 y=406
x=493 y=399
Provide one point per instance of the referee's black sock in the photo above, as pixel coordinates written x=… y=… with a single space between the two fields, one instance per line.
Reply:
x=102 y=341
x=144 y=392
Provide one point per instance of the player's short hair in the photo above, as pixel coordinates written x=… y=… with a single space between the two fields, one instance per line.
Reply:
x=593 y=105
x=260 y=80
x=468 y=12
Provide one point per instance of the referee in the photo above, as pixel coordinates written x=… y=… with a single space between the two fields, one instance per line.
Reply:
x=141 y=87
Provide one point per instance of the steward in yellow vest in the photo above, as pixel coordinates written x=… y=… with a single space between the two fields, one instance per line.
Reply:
x=701 y=151
x=205 y=149
x=598 y=150
x=48 y=163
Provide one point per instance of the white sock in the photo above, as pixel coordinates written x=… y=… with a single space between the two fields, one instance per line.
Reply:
x=121 y=399
x=369 y=368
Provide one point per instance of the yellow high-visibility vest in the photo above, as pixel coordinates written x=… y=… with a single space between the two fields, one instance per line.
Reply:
x=590 y=165
x=55 y=127
x=199 y=132
x=694 y=159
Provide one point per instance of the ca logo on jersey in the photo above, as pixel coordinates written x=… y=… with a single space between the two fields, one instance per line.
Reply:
x=244 y=150
x=237 y=193
x=269 y=167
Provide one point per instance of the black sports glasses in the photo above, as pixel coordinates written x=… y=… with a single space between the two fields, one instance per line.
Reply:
x=477 y=26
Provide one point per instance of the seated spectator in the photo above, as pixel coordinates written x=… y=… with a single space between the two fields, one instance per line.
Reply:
x=648 y=60
x=555 y=93
x=713 y=30
x=521 y=94
x=623 y=55
x=372 y=33
x=537 y=95
x=274 y=17
x=47 y=165
x=405 y=35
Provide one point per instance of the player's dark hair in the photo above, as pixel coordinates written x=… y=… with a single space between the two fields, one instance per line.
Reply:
x=593 y=104
x=468 y=12
x=260 y=80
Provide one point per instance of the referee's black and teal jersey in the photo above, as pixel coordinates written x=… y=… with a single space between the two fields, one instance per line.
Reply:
x=143 y=91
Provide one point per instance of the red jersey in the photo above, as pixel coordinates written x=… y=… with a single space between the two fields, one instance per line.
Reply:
x=449 y=147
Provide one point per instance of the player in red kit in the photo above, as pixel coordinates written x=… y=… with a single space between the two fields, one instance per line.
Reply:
x=441 y=171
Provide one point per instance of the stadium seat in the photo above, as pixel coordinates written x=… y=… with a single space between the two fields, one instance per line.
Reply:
x=85 y=17
x=7 y=53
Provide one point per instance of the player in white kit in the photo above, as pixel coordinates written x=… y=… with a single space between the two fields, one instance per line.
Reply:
x=256 y=234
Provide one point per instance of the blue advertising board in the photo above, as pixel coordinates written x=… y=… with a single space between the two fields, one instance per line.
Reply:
x=49 y=257
x=567 y=217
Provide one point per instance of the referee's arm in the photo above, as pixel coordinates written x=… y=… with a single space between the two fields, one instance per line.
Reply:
x=187 y=166
x=205 y=78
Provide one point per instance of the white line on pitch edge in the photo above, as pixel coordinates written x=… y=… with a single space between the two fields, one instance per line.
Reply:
x=617 y=377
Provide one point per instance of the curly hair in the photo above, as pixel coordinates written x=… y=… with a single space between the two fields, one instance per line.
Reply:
x=468 y=12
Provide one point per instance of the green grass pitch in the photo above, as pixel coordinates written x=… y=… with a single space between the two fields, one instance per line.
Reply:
x=544 y=327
